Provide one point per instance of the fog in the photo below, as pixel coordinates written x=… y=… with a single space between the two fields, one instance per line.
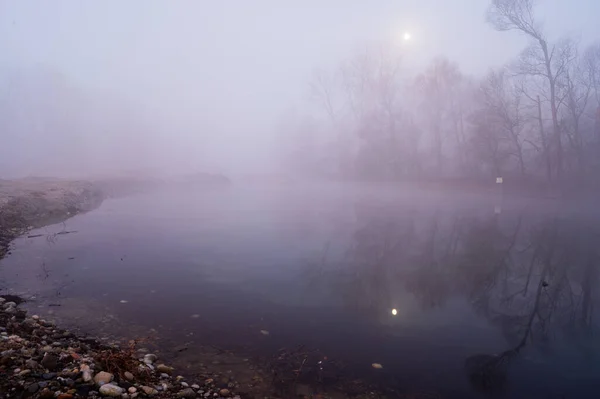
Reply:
x=106 y=88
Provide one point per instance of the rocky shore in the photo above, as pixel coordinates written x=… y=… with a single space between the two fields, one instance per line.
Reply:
x=39 y=360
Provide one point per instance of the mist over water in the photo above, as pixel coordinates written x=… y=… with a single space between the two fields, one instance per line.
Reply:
x=326 y=271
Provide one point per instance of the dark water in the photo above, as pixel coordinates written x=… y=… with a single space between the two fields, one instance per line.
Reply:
x=325 y=267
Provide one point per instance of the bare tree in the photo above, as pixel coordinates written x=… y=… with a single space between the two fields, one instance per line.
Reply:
x=540 y=59
x=438 y=86
x=503 y=102
x=591 y=65
x=323 y=87
x=577 y=86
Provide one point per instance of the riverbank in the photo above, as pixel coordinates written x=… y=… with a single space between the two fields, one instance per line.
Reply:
x=26 y=204
x=39 y=360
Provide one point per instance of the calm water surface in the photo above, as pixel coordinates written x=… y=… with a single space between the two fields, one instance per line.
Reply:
x=325 y=267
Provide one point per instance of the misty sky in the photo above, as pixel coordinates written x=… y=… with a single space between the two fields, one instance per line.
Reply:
x=227 y=69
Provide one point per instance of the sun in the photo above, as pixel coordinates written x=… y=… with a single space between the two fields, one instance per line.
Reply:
x=407 y=36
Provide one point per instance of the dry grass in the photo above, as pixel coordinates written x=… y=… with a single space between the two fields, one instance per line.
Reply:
x=118 y=360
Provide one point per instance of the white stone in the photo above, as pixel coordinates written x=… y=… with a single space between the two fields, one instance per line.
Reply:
x=111 y=390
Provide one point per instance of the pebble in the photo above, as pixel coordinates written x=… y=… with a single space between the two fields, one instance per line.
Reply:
x=132 y=390
x=196 y=386
x=49 y=376
x=224 y=392
x=111 y=390
x=149 y=390
x=187 y=393
x=50 y=361
x=184 y=384
x=103 y=378
x=150 y=358
x=128 y=376
x=33 y=388
x=86 y=373
x=161 y=368
x=46 y=394
x=64 y=396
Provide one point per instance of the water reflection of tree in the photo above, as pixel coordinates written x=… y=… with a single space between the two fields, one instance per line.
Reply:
x=533 y=279
x=540 y=293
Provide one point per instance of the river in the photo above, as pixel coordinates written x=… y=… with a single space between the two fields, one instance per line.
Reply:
x=404 y=290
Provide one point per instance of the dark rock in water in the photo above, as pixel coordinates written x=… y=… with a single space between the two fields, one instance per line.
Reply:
x=49 y=376
x=50 y=362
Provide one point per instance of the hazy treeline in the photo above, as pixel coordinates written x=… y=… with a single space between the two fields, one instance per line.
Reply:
x=51 y=125
x=536 y=118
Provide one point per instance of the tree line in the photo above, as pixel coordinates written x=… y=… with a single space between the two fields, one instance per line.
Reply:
x=535 y=119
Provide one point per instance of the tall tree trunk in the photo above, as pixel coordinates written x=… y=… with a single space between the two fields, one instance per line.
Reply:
x=553 y=107
x=545 y=145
